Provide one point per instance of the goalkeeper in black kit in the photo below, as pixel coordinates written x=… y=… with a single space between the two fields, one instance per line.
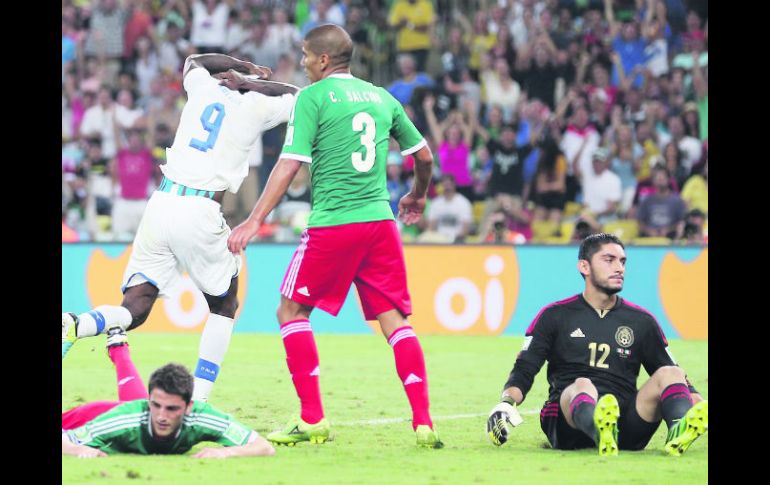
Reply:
x=595 y=343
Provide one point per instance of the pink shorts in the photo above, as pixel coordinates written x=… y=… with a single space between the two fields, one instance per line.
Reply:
x=329 y=259
x=77 y=417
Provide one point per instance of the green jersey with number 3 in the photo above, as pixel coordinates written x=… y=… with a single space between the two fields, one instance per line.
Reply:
x=341 y=126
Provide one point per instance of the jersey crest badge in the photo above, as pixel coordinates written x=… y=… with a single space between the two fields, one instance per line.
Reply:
x=624 y=336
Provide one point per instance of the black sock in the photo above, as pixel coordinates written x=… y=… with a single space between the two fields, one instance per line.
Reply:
x=582 y=408
x=675 y=401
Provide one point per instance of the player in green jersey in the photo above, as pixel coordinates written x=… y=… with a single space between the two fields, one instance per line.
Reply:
x=341 y=127
x=166 y=421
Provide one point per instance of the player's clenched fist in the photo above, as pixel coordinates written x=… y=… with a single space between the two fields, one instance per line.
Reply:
x=499 y=418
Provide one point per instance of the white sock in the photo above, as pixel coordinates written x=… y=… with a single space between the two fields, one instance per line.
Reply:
x=103 y=318
x=213 y=345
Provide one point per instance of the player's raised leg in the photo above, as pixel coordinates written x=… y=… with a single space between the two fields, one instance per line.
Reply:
x=130 y=385
x=132 y=312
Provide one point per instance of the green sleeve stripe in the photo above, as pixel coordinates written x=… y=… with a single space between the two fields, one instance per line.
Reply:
x=208 y=424
x=419 y=145
x=118 y=428
x=98 y=425
x=211 y=417
x=294 y=156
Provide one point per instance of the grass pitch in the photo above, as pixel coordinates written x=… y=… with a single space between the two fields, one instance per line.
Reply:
x=370 y=416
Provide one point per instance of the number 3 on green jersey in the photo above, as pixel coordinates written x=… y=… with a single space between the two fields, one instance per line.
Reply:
x=364 y=122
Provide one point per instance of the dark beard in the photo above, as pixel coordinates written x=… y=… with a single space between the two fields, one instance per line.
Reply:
x=605 y=289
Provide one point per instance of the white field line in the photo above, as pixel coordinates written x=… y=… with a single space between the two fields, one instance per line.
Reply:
x=383 y=421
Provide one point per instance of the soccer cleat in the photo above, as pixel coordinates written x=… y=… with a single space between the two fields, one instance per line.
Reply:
x=297 y=431
x=606 y=421
x=428 y=438
x=694 y=423
x=116 y=336
x=69 y=332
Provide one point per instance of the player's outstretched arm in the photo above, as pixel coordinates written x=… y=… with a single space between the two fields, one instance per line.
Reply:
x=217 y=63
x=81 y=451
x=235 y=80
x=280 y=178
x=257 y=447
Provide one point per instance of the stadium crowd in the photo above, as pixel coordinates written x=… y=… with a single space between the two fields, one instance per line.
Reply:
x=549 y=119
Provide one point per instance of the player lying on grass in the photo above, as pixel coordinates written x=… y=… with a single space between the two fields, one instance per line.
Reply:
x=595 y=343
x=165 y=421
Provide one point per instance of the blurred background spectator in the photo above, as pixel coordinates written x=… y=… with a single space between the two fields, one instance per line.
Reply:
x=561 y=77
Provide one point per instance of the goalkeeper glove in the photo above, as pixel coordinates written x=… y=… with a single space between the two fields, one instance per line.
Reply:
x=499 y=418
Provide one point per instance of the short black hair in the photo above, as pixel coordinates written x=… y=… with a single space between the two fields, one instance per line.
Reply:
x=594 y=242
x=173 y=379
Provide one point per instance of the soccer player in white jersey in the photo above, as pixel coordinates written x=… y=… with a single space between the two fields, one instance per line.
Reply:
x=182 y=228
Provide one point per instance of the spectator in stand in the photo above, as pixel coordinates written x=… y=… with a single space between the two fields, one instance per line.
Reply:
x=258 y=49
x=538 y=69
x=173 y=49
x=450 y=214
x=499 y=87
x=673 y=161
x=693 y=228
x=626 y=155
x=402 y=88
x=319 y=16
x=456 y=54
x=132 y=174
x=629 y=46
x=168 y=113
x=453 y=137
x=690 y=146
x=506 y=182
x=106 y=36
x=138 y=25
x=662 y=213
x=695 y=192
x=208 y=32
x=146 y=65
x=646 y=138
x=282 y=36
x=579 y=142
x=499 y=230
x=413 y=22
x=601 y=189
x=97 y=122
x=550 y=184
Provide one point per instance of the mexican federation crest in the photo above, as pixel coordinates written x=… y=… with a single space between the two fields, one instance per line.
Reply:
x=624 y=336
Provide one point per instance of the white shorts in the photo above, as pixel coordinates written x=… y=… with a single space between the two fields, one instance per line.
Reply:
x=182 y=234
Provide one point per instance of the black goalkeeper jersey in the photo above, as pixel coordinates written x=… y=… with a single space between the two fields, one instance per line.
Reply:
x=577 y=342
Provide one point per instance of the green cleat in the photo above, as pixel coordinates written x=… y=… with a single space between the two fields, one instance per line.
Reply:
x=69 y=329
x=428 y=438
x=297 y=430
x=606 y=420
x=688 y=429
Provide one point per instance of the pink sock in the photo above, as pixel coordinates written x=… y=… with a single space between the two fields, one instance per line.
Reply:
x=302 y=360
x=130 y=385
x=410 y=365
